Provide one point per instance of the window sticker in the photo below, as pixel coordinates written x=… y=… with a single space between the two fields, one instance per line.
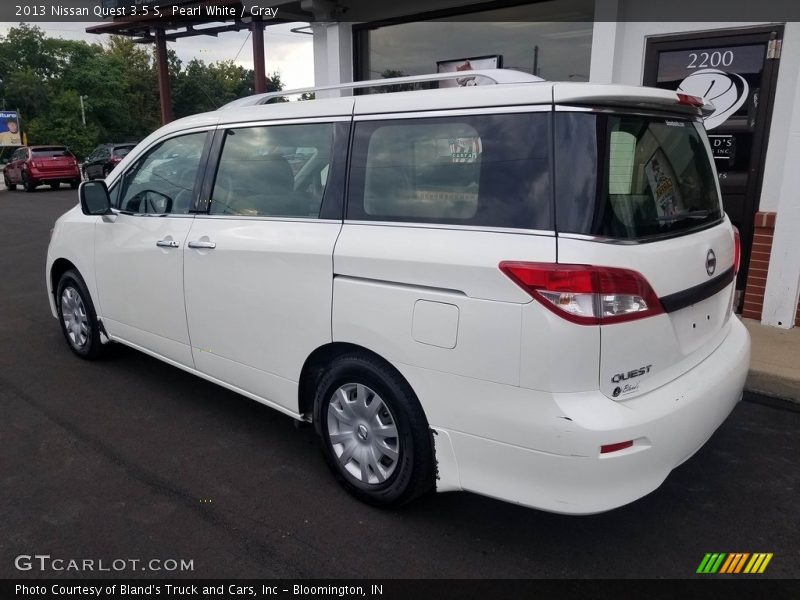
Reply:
x=663 y=185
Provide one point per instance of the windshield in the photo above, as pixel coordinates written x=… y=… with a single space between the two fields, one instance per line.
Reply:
x=630 y=177
x=122 y=151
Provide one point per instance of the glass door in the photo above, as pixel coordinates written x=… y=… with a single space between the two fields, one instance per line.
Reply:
x=737 y=71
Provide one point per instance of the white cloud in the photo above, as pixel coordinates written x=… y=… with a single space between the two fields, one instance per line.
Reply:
x=290 y=54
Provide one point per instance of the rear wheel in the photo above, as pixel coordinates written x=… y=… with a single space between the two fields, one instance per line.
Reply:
x=374 y=434
x=27 y=183
x=9 y=186
x=77 y=316
x=75 y=184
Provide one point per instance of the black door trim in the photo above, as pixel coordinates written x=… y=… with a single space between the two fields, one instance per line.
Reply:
x=698 y=293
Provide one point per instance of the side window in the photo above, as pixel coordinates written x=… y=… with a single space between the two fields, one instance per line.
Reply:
x=162 y=181
x=276 y=171
x=481 y=170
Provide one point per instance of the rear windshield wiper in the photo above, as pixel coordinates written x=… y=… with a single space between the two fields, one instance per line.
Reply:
x=683 y=216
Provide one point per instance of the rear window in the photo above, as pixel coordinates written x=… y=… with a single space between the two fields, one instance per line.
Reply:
x=50 y=152
x=481 y=170
x=630 y=177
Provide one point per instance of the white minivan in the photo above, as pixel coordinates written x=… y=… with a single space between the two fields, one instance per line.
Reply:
x=522 y=289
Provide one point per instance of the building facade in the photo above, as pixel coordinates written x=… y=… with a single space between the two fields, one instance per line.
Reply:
x=751 y=69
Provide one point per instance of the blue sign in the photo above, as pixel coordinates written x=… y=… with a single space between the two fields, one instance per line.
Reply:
x=9 y=129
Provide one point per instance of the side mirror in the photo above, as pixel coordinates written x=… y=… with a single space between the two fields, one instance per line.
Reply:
x=95 y=199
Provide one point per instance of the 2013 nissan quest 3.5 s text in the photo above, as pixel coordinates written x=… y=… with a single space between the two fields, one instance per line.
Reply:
x=521 y=289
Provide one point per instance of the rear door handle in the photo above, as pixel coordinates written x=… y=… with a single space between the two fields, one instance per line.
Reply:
x=202 y=244
x=167 y=244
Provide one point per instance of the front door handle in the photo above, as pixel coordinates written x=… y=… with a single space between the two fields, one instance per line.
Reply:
x=167 y=244
x=202 y=244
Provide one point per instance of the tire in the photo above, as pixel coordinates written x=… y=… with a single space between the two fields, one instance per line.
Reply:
x=27 y=183
x=9 y=186
x=396 y=469
x=55 y=185
x=80 y=328
x=75 y=184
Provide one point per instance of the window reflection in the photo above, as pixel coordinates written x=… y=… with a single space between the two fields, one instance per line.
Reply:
x=550 y=39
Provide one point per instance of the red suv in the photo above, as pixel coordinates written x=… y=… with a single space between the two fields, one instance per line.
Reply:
x=31 y=166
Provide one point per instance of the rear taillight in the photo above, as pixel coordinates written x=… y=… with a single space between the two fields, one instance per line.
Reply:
x=690 y=100
x=585 y=294
x=737 y=251
x=115 y=159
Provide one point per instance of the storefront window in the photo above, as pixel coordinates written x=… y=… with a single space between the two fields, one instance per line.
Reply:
x=550 y=39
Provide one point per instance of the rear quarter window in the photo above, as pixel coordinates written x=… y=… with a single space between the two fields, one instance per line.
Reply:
x=476 y=170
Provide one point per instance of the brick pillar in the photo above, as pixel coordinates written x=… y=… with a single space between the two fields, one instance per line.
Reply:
x=759 y=265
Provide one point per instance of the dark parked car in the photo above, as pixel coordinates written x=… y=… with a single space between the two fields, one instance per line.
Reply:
x=104 y=158
x=31 y=166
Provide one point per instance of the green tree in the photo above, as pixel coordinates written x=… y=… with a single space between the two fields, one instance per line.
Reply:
x=46 y=77
x=62 y=125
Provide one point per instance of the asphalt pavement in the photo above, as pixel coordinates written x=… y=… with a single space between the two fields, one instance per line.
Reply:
x=131 y=458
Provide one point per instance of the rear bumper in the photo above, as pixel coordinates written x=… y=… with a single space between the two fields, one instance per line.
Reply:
x=60 y=175
x=668 y=425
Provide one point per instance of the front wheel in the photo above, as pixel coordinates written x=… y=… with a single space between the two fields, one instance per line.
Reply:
x=77 y=316
x=374 y=434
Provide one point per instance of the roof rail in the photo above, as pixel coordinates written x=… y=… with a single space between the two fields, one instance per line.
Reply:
x=495 y=77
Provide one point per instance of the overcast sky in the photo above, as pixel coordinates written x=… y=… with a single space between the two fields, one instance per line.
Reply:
x=291 y=54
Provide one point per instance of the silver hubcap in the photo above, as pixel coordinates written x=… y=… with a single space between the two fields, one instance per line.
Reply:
x=73 y=313
x=363 y=433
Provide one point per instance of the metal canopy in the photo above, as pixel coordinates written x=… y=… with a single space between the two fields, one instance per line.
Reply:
x=168 y=27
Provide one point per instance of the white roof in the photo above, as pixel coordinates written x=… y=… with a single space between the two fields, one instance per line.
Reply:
x=527 y=90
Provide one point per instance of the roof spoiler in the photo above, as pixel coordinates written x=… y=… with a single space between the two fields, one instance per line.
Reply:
x=580 y=94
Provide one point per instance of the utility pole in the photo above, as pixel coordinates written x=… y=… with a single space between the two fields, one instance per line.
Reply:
x=23 y=137
x=83 y=110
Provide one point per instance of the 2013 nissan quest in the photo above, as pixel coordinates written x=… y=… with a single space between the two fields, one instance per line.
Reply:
x=521 y=289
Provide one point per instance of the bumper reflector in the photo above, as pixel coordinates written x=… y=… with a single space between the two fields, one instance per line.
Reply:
x=615 y=447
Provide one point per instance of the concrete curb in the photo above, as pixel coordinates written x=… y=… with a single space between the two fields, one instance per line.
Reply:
x=775 y=361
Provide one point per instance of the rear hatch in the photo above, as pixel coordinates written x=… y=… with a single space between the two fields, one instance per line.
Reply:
x=637 y=190
x=53 y=158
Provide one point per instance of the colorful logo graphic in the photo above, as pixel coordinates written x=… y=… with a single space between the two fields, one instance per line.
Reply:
x=734 y=562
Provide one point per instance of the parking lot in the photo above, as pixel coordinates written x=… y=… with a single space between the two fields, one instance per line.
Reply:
x=129 y=457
